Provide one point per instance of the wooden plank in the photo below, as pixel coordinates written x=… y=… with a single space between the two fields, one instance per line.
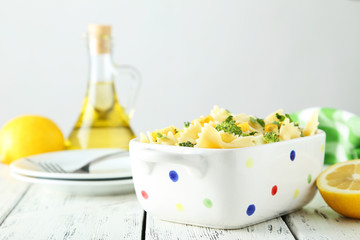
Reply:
x=11 y=192
x=44 y=214
x=318 y=221
x=161 y=230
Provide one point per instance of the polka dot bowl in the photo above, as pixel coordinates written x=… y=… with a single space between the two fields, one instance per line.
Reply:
x=226 y=188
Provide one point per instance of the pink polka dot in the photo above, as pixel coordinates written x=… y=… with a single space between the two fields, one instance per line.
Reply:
x=274 y=190
x=144 y=194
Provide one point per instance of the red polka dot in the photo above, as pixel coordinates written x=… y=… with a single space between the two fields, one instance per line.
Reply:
x=274 y=190
x=144 y=194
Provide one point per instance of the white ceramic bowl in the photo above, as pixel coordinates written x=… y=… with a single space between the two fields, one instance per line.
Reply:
x=226 y=188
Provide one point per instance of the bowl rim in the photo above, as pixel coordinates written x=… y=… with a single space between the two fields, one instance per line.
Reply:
x=320 y=133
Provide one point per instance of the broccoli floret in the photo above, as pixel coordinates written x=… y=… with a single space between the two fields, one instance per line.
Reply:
x=186 y=144
x=229 y=126
x=271 y=137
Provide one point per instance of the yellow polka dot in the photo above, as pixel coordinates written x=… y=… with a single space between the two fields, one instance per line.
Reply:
x=296 y=194
x=250 y=163
x=179 y=207
x=322 y=148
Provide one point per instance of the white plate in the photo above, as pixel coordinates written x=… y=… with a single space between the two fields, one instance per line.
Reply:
x=95 y=187
x=114 y=168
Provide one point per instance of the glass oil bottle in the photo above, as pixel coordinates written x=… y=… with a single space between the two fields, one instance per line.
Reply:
x=103 y=121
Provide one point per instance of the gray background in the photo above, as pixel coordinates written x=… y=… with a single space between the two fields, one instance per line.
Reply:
x=251 y=56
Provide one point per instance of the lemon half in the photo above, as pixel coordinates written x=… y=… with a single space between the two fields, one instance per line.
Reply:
x=339 y=185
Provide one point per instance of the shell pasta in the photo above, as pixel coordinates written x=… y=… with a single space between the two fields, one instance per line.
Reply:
x=222 y=129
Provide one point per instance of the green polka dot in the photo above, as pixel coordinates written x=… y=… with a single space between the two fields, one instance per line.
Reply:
x=322 y=148
x=296 y=193
x=309 y=178
x=179 y=207
x=207 y=203
x=250 y=163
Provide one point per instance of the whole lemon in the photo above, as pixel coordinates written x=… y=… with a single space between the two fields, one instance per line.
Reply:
x=28 y=135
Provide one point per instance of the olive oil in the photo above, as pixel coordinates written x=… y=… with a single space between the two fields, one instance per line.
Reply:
x=103 y=121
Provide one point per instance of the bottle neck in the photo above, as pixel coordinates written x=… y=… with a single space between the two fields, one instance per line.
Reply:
x=101 y=64
x=101 y=68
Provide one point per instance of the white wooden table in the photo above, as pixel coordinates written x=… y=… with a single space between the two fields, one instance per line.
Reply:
x=32 y=212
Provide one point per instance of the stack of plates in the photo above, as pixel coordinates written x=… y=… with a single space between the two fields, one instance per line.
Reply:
x=109 y=176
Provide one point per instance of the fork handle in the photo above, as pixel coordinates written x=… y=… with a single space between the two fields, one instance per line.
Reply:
x=107 y=156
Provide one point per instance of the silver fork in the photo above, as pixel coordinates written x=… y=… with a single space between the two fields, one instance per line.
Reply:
x=56 y=168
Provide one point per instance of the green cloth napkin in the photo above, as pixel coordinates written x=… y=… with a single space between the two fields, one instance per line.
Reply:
x=342 y=130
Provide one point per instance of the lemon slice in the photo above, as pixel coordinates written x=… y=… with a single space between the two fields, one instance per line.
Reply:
x=339 y=185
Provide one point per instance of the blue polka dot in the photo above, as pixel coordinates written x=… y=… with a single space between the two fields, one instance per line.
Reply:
x=173 y=176
x=292 y=155
x=250 y=210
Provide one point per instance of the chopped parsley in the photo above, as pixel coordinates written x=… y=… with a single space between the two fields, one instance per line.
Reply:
x=186 y=124
x=176 y=131
x=280 y=117
x=186 y=144
x=229 y=126
x=257 y=120
x=288 y=116
x=250 y=134
x=228 y=111
x=253 y=120
x=159 y=135
x=271 y=137
x=261 y=122
x=296 y=124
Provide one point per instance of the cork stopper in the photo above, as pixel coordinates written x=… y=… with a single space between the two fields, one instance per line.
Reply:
x=99 y=38
x=97 y=30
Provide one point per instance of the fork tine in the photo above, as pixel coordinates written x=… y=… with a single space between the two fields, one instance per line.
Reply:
x=51 y=166
x=58 y=167
x=48 y=167
x=45 y=167
x=55 y=170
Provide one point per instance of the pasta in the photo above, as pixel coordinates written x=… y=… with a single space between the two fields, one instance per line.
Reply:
x=313 y=123
x=222 y=129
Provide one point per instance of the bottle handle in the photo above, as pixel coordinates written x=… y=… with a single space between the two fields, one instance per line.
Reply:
x=135 y=78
